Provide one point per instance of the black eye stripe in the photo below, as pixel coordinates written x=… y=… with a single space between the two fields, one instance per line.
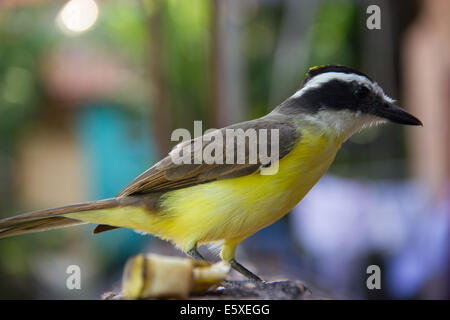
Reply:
x=361 y=91
x=335 y=94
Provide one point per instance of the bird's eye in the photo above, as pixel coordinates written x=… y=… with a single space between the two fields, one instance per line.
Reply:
x=361 y=91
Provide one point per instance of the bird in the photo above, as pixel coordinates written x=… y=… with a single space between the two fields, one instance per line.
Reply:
x=192 y=204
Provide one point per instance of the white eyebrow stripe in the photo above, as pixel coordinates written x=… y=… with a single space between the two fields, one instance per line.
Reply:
x=318 y=80
x=388 y=99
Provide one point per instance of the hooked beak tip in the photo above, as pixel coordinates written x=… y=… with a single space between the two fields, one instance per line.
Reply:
x=412 y=120
x=396 y=114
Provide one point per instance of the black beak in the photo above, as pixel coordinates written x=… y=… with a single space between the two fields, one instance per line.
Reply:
x=396 y=114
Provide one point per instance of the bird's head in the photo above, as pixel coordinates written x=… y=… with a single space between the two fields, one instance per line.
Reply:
x=343 y=99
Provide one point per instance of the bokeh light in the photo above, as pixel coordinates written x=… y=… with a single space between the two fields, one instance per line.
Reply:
x=78 y=16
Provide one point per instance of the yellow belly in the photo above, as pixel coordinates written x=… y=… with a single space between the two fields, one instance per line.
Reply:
x=233 y=208
x=237 y=208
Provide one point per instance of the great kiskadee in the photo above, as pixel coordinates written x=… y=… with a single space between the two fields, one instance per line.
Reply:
x=194 y=204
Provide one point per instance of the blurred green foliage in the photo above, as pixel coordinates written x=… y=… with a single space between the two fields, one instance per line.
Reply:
x=333 y=37
x=24 y=37
x=260 y=42
x=186 y=58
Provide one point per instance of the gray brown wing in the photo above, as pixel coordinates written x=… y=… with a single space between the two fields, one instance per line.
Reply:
x=166 y=175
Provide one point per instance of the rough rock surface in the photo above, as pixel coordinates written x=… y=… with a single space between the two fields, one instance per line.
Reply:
x=277 y=290
x=242 y=290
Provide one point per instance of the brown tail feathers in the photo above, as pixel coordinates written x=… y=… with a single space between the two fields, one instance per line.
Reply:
x=52 y=218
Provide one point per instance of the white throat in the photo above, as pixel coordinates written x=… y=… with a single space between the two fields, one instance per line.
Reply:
x=342 y=123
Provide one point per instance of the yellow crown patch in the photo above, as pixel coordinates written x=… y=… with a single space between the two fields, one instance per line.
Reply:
x=317 y=67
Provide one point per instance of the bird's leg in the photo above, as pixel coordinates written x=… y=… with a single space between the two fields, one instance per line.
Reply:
x=194 y=254
x=227 y=254
x=244 y=271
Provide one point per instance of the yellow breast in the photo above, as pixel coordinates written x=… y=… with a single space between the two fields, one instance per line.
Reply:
x=239 y=207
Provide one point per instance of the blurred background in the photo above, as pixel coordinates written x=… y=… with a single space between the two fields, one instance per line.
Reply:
x=90 y=92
